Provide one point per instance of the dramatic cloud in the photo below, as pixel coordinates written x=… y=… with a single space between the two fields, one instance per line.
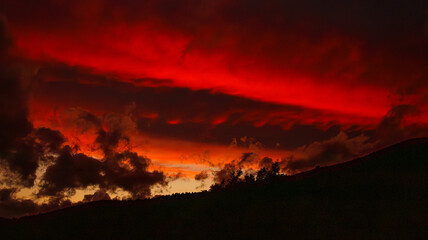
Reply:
x=200 y=116
x=224 y=173
x=70 y=171
x=395 y=125
x=21 y=145
x=119 y=168
x=356 y=53
x=24 y=149
x=97 y=196
x=120 y=96
x=201 y=176
x=266 y=162
x=341 y=148
x=11 y=207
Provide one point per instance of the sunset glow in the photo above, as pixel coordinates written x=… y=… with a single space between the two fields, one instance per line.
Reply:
x=138 y=98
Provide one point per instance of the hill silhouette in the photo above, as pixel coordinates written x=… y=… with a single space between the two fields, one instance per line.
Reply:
x=383 y=195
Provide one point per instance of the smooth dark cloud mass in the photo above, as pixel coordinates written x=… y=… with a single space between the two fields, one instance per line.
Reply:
x=117 y=97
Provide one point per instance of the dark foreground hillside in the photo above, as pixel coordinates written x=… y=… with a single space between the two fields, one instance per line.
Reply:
x=381 y=196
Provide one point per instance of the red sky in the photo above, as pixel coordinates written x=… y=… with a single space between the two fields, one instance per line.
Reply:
x=193 y=85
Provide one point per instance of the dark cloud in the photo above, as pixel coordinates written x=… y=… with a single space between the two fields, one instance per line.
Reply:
x=395 y=116
x=70 y=171
x=266 y=162
x=97 y=196
x=247 y=165
x=394 y=127
x=5 y=194
x=329 y=154
x=111 y=129
x=118 y=169
x=5 y=39
x=17 y=151
x=84 y=120
x=24 y=148
x=133 y=176
x=201 y=176
x=13 y=97
x=248 y=159
x=23 y=161
x=244 y=163
x=225 y=172
x=201 y=116
x=109 y=140
x=338 y=149
x=24 y=158
x=11 y=207
x=21 y=146
x=391 y=129
x=50 y=140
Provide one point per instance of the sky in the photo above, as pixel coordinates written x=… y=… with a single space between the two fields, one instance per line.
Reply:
x=130 y=99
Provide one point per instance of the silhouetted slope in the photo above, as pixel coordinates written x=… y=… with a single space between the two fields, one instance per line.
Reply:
x=380 y=196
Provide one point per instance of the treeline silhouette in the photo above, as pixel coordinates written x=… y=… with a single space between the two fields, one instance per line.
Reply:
x=383 y=195
x=263 y=176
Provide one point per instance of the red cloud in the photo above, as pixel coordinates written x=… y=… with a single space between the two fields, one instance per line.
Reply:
x=275 y=54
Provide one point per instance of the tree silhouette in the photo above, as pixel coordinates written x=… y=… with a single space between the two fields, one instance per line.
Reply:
x=275 y=169
x=262 y=174
x=235 y=177
x=249 y=178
